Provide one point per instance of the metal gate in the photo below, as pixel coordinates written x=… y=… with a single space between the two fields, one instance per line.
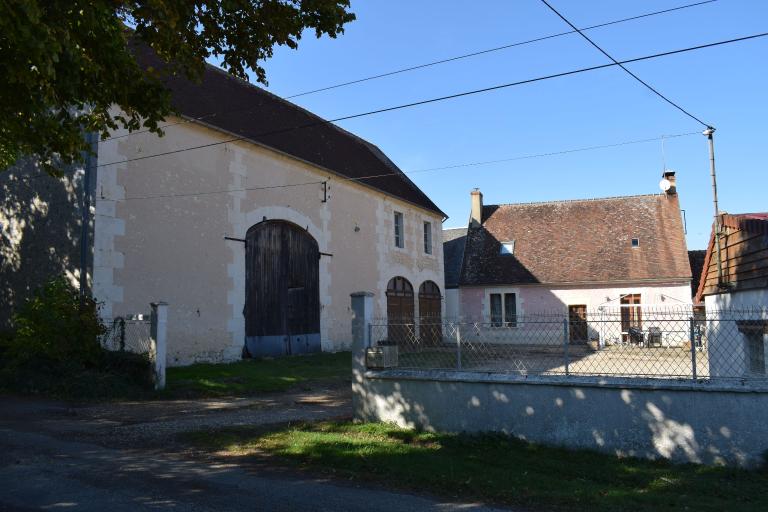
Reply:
x=282 y=302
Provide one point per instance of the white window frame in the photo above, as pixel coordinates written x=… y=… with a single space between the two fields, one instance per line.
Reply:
x=503 y=292
x=507 y=248
x=428 y=237
x=399 y=229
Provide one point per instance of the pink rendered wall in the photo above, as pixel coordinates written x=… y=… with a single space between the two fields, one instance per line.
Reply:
x=471 y=302
x=538 y=299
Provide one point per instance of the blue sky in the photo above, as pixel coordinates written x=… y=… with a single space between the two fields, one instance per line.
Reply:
x=726 y=86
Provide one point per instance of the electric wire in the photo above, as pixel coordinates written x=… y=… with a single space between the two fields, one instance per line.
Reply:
x=620 y=64
x=437 y=62
x=430 y=169
x=443 y=98
x=498 y=48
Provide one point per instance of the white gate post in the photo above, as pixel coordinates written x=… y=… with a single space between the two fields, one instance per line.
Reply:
x=160 y=339
x=362 y=311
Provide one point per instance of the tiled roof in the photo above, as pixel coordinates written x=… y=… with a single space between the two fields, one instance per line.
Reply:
x=246 y=110
x=453 y=252
x=743 y=256
x=578 y=241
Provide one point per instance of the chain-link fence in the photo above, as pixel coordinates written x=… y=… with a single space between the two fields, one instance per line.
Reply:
x=128 y=334
x=626 y=342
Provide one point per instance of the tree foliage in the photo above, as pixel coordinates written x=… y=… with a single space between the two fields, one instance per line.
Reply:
x=65 y=63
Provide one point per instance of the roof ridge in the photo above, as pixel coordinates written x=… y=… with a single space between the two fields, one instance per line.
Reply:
x=593 y=199
x=368 y=145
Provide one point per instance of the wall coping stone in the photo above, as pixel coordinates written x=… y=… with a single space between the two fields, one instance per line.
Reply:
x=718 y=385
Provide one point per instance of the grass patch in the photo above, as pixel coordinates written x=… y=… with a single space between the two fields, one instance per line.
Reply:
x=498 y=468
x=256 y=375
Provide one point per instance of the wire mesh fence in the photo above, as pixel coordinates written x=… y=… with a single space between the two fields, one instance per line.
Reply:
x=128 y=334
x=627 y=342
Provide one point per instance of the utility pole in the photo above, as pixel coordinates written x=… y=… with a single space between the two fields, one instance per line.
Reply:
x=709 y=133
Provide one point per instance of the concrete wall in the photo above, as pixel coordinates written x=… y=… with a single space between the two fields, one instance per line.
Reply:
x=452 y=309
x=739 y=300
x=39 y=232
x=728 y=355
x=172 y=249
x=683 y=422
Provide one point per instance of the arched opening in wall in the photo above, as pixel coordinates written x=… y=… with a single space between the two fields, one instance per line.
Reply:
x=400 y=315
x=282 y=290
x=430 y=313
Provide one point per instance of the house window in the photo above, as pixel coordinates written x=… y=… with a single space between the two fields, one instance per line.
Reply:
x=506 y=315
x=399 y=235
x=635 y=242
x=507 y=248
x=428 y=238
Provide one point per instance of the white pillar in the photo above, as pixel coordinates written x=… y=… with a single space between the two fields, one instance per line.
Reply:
x=160 y=340
x=362 y=311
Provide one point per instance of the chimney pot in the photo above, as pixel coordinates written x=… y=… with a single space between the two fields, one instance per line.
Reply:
x=669 y=176
x=476 y=218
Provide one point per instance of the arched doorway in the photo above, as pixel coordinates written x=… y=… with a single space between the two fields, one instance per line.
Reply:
x=282 y=290
x=400 y=310
x=430 y=313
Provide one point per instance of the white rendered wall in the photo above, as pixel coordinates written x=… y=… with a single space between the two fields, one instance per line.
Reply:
x=173 y=249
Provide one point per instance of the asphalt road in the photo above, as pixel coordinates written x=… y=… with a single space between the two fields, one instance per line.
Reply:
x=53 y=457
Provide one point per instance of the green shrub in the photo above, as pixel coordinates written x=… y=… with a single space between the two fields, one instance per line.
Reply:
x=53 y=325
x=55 y=350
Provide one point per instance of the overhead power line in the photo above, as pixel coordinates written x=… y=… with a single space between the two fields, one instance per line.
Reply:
x=620 y=64
x=442 y=98
x=442 y=61
x=430 y=169
x=496 y=49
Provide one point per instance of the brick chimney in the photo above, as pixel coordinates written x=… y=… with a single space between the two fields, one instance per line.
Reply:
x=476 y=218
x=669 y=183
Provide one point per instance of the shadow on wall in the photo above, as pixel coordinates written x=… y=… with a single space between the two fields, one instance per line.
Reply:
x=709 y=427
x=39 y=232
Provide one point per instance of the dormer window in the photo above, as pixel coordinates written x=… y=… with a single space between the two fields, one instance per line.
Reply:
x=635 y=243
x=507 y=248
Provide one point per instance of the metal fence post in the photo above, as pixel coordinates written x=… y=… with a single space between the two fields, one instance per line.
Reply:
x=458 y=346
x=693 y=347
x=565 y=346
x=159 y=335
x=121 y=322
x=369 y=341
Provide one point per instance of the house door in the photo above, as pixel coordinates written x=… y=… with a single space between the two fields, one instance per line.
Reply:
x=430 y=313
x=400 y=324
x=631 y=318
x=577 y=324
x=282 y=292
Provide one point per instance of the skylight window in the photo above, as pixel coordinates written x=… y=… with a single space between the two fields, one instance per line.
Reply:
x=635 y=242
x=507 y=248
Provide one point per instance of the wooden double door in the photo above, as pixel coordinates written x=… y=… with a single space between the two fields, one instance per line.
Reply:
x=282 y=301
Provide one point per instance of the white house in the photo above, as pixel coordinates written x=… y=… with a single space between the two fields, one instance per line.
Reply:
x=580 y=259
x=734 y=290
x=258 y=236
